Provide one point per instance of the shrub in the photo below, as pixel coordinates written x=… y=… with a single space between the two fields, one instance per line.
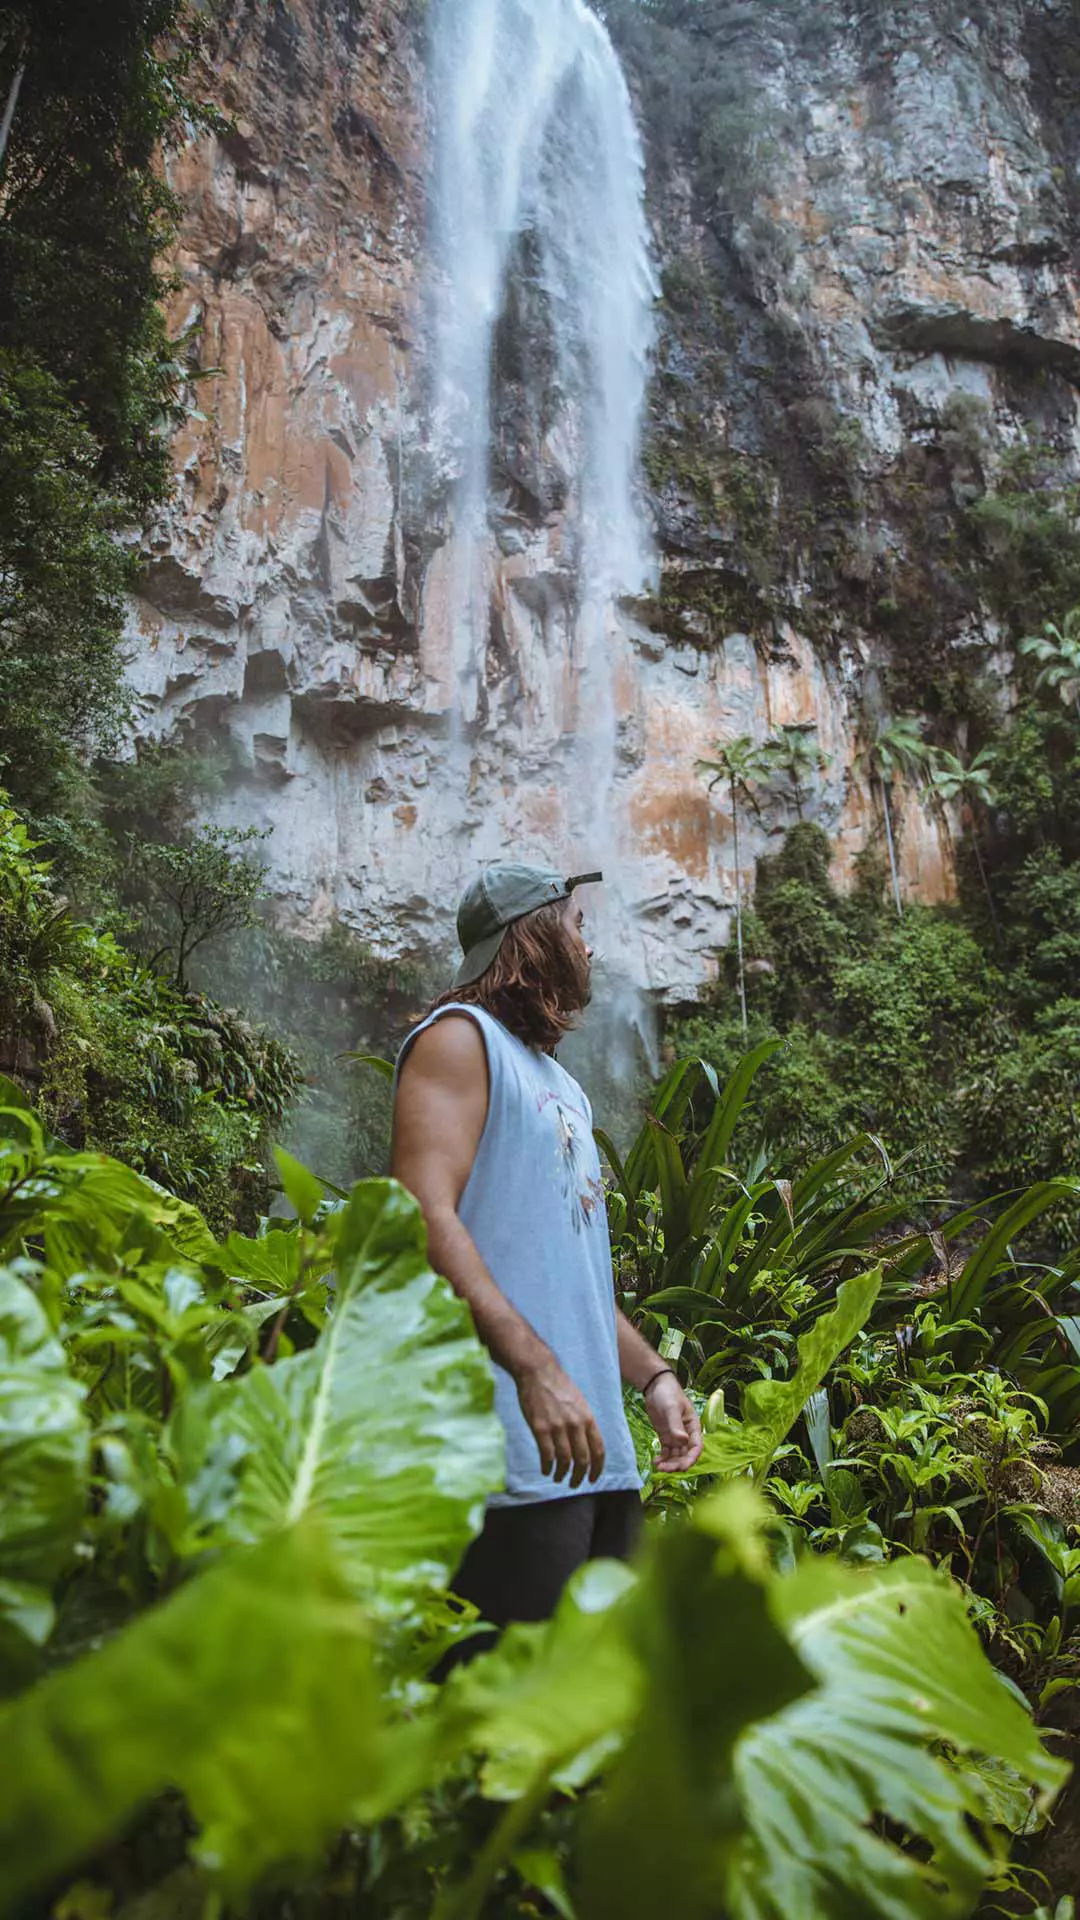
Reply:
x=884 y=1021
x=222 y=1582
x=1022 y=1109
x=89 y=379
x=62 y=577
x=1042 y=922
x=168 y=1081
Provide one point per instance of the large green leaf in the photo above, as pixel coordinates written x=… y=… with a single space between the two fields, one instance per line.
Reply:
x=85 y=1205
x=711 y=1661
x=272 y=1262
x=798 y=1738
x=967 y=1295
x=303 y=1192
x=384 y=1068
x=251 y=1690
x=718 y=1134
x=12 y=1095
x=688 y=1304
x=807 y=1744
x=771 y=1407
x=668 y=1103
x=723 y=1245
x=821 y=1174
x=384 y=1429
x=671 y=1179
x=44 y=1454
x=551 y=1698
x=611 y=1154
x=899 y=1669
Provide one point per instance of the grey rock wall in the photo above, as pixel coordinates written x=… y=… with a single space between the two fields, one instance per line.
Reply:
x=903 y=261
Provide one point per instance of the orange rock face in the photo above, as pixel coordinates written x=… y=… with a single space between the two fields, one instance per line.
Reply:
x=299 y=592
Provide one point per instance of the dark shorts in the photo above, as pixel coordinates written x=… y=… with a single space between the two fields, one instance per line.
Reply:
x=518 y=1565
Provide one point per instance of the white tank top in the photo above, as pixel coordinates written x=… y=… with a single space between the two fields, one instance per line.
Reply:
x=534 y=1205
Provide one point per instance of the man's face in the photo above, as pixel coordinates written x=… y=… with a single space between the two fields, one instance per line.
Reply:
x=573 y=919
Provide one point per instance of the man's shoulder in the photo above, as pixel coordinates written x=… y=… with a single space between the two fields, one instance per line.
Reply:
x=452 y=1040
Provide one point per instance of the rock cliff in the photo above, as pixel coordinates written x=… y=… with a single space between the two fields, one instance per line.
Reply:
x=863 y=405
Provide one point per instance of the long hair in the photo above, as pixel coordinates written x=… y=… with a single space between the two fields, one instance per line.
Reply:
x=537 y=983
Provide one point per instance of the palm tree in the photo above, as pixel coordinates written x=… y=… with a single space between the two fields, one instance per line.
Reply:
x=897 y=747
x=973 y=786
x=12 y=101
x=743 y=763
x=1057 y=649
x=794 y=754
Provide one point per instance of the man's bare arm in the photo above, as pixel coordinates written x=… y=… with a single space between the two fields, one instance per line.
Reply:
x=439 y=1116
x=671 y=1412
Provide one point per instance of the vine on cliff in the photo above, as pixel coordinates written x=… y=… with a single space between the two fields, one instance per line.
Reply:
x=89 y=378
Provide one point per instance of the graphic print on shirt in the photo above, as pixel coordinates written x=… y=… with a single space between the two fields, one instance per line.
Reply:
x=583 y=1191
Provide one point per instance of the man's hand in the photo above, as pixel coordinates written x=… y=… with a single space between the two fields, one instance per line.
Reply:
x=677 y=1424
x=561 y=1423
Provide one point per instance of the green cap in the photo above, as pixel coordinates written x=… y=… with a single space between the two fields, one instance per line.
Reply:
x=495 y=899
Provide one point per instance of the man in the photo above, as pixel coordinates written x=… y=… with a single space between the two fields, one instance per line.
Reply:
x=495 y=1140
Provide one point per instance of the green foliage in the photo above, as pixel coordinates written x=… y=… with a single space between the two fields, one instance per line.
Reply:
x=62 y=575
x=1057 y=650
x=736 y=1273
x=914 y=1012
x=333 y=1002
x=893 y=747
x=204 y=889
x=1028 y=546
x=262 y=1662
x=722 y=1257
x=89 y=379
x=738 y=1768
x=183 y=1089
x=1022 y=1104
x=753 y=1284
x=678 y=1765
x=87 y=214
x=943 y=1443
x=908 y=1452
x=951 y=1034
x=227 y=1559
x=896 y=1661
x=770 y=1408
x=742 y=765
x=44 y=1459
x=882 y=1020
x=797 y=757
x=394 y=1480
x=250 y=1690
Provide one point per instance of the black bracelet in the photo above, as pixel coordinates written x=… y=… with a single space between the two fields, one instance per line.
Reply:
x=658 y=1375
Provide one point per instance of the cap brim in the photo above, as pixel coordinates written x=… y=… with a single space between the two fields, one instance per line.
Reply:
x=478 y=959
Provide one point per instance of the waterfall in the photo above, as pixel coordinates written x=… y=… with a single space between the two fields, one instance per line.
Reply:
x=536 y=147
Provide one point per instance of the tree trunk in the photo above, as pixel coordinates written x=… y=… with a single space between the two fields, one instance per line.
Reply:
x=889 y=844
x=9 y=110
x=994 y=921
x=738 y=909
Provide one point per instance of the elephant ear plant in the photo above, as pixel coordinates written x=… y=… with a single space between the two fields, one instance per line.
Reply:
x=235 y=1479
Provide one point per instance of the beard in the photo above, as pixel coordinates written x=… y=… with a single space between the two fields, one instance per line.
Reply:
x=576 y=986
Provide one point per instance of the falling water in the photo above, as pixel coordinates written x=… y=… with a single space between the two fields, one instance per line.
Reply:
x=536 y=138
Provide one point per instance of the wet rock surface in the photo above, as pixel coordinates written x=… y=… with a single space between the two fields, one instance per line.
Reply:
x=898 y=266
